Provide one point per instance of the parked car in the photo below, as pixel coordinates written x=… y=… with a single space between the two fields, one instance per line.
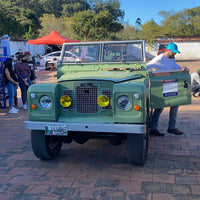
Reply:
x=109 y=97
x=162 y=48
x=50 y=60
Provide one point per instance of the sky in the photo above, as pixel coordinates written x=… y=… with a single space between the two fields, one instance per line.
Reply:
x=148 y=9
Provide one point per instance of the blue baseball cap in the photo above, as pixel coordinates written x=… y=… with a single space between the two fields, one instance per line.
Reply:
x=173 y=47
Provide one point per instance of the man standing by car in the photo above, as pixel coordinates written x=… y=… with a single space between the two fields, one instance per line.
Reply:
x=164 y=63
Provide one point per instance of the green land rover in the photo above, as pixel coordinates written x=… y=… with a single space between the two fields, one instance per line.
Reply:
x=105 y=92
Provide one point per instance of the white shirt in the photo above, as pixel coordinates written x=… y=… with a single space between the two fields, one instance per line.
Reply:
x=162 y=63
x=195 y=79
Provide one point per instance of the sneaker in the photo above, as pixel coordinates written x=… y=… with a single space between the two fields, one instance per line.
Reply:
x=12 y=111
x=156 y=132
x=15 y=109
x=174 y=131
x=25 y=107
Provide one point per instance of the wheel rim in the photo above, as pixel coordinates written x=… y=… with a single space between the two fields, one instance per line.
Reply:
x=53 y=144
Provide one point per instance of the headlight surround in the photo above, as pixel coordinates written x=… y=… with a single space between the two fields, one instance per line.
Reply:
x=45 y=101
x=123 y=102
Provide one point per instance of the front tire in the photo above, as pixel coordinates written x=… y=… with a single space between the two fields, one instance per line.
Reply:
x=137 y=148
x=137 y=144
x=47 y=67
x=45 y=147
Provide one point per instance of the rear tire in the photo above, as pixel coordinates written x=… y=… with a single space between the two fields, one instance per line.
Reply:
x=45 y=147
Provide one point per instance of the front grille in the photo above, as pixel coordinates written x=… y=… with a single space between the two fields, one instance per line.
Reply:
x=86 y=98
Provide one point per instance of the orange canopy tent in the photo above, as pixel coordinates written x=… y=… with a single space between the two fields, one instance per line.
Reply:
x=52 y=38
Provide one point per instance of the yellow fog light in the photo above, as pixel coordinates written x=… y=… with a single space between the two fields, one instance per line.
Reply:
x=66 y=101
x=103 y=101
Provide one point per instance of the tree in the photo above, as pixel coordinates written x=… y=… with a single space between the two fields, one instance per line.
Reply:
x=129 y=32
x=89 y=25
x=104 y=25
x=83 y=23
x=50 y=22
x=8 y=14
x=52 y=7
x=150 y=30
x=183 y=23
x=112 y=6
x=138 y=23
x=21 y=16
x=70 y=8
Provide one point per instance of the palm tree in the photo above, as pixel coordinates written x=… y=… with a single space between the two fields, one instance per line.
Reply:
x=138 y=23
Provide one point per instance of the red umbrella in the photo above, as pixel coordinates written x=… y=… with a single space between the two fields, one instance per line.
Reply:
x=52 y=38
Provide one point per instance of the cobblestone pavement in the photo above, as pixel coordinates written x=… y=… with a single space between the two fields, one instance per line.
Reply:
x=98 y=170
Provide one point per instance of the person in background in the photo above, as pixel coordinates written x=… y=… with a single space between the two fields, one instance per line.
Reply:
x=24 y=72
x=195 y=82
x=165 y=63
x=11 y=83
x=14 y=61
x=19 y=55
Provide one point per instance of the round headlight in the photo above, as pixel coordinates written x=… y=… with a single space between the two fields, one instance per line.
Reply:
x=66 y=101
x=45 y=101
x=123 y=102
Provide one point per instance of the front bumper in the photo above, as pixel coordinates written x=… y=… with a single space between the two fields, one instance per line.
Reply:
x=84 y=127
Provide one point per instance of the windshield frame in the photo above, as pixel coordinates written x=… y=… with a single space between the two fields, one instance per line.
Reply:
x=101 y=51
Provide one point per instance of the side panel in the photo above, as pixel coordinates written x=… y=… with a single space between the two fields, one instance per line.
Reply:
x=170 y=89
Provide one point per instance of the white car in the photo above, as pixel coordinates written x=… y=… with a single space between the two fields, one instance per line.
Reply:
x=51 y=59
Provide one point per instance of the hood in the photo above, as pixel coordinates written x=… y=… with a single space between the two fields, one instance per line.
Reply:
x=114 y=76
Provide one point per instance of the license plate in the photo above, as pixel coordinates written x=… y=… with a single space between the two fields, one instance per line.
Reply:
x=56 y=130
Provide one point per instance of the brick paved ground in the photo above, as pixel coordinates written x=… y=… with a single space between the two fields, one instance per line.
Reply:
x=98 y=170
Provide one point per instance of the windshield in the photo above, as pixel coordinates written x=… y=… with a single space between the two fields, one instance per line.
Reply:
x=118 y=51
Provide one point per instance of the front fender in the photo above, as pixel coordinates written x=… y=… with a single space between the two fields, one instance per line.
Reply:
x=35 y=92
x=130 y=115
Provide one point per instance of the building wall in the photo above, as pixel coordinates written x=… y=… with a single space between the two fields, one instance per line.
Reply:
x=34 y=50
x=189 y=50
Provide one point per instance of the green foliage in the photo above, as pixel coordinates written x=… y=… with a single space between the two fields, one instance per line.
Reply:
x=112 y=6
x=90 y=20
x=149 y=31
x=90 y=26
x=127 y=33
x=83 y=23
x=28 y=34
x=50 y=22
x=74 y=7
x=8 y=23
